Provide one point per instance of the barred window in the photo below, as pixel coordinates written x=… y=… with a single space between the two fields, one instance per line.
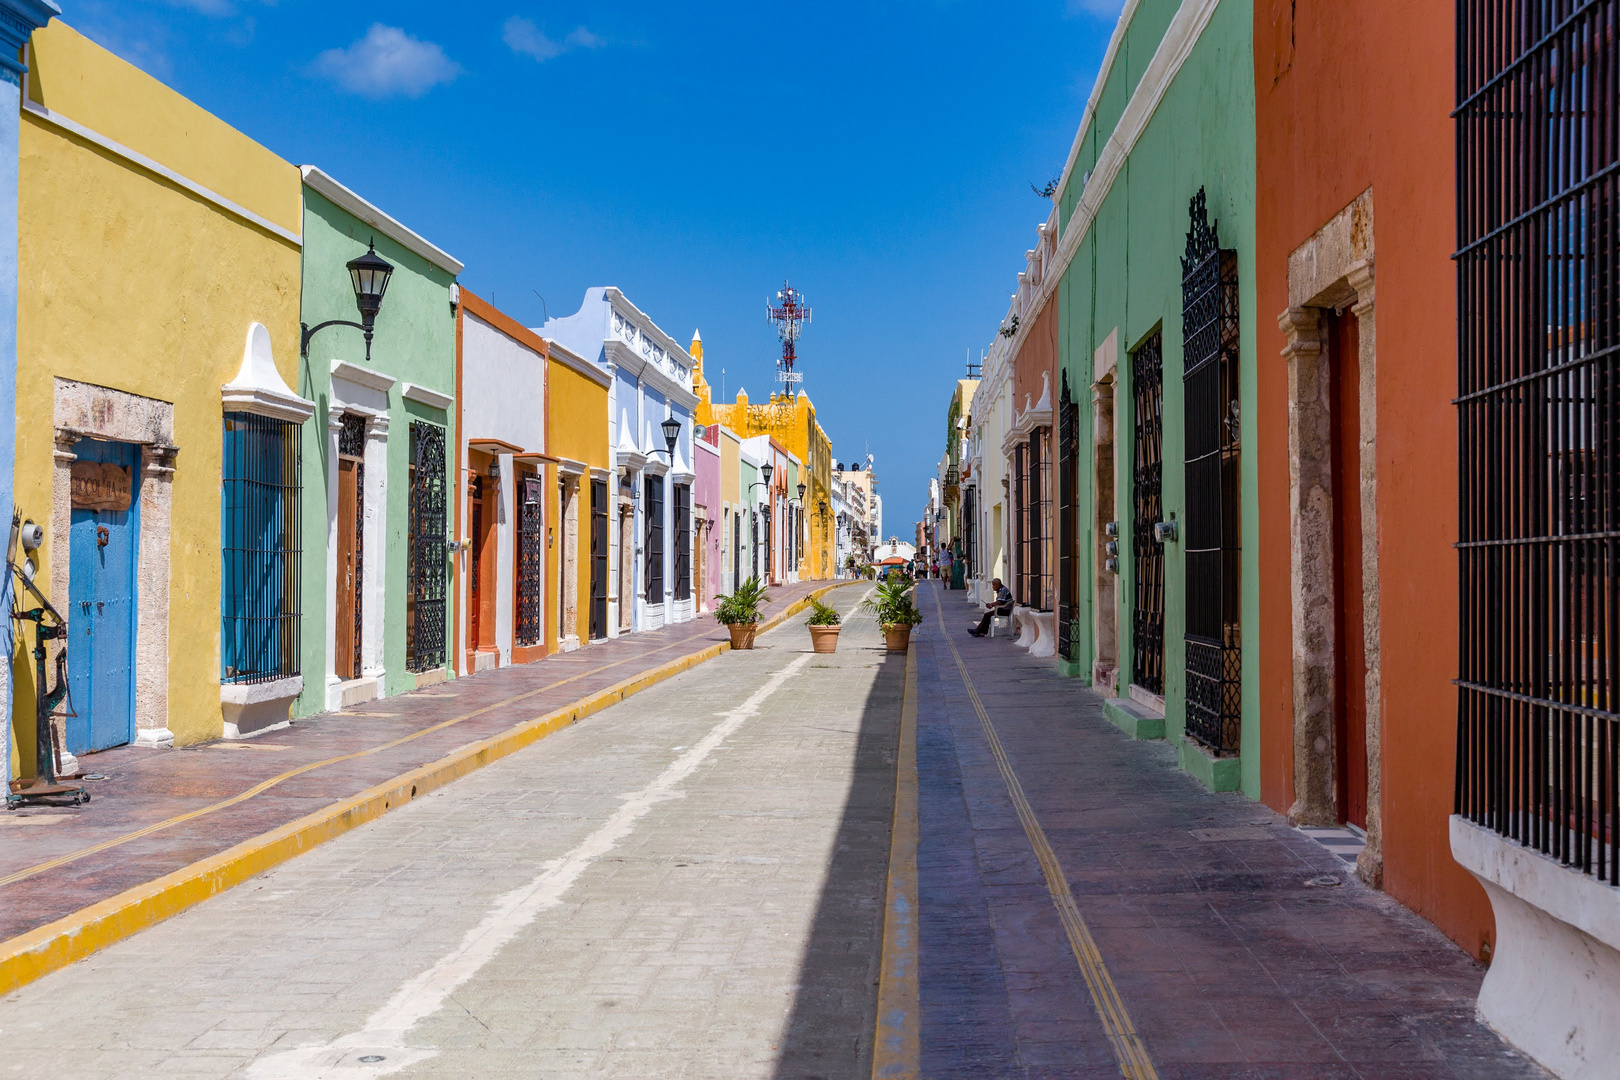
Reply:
x=683 y=541
x=260 y=555
x=654 y=513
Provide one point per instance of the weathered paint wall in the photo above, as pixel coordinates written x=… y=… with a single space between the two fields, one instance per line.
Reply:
x=138 y=285
x=415 y=343
x=1351 y=97
x=1126 y=274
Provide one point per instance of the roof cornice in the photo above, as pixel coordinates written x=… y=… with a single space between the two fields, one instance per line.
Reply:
x=371 y=215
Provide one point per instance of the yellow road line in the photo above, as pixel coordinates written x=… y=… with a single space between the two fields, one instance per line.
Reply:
x=1134 y=1063
x=38 y=952
x=897 y=1050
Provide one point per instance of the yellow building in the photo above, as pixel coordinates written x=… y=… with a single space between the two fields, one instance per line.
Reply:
x=160 y=254
x=791 y=421
x=577 y=438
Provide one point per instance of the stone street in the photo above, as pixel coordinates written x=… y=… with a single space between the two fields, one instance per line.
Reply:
x=692 y=883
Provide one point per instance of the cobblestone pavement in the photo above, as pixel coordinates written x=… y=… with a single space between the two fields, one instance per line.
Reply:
x=161 y=810
x=685 y=884
x=1234 y=946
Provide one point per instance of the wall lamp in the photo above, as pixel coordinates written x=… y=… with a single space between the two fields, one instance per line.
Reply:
x=369 y=275
x=765 y=471
x=672 y=431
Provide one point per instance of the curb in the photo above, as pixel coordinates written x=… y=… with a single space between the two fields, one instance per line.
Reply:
x=73 y=937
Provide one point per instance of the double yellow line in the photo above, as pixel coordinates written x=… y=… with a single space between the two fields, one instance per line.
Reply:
x=897 y=1054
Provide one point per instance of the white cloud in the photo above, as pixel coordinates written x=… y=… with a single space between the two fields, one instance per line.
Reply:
x=387 y=62
x=523 y=36
x=1102 y=9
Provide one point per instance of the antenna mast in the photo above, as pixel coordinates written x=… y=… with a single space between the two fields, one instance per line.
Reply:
x=789 y=313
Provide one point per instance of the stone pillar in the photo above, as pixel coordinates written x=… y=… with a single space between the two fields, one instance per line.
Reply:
x=374 y=545
x=152 y=633
x=334 y=426
x=1310 y=499
x=1105 y=665
x=1370 y=863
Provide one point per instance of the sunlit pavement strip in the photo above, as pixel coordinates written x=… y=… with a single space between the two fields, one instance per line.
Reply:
x=687 y=884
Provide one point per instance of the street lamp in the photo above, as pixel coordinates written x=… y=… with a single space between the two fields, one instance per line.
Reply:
x=801 y=494
x=672 y=431
x=765 y=471
x=369 y=274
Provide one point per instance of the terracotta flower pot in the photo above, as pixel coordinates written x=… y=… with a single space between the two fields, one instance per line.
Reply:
x=897 y=636
x=824 y=639
x=742 y=634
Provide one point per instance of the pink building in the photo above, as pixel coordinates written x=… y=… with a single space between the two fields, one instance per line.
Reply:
x=707 y=524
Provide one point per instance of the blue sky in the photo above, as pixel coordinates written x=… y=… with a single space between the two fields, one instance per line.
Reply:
x=877 y=155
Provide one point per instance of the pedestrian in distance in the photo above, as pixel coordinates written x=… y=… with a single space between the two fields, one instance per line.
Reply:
x=1001 y=605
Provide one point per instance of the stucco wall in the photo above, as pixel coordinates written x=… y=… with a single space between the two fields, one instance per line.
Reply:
x=502 y=387
x=1351 y=98
x=578 y=418
x=136 y=284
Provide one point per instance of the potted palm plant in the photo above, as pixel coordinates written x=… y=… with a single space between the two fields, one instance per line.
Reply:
x=824 y=625
x=739 y=612
x=892 y=603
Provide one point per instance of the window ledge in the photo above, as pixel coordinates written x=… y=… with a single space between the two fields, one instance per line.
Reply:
x=249 y=709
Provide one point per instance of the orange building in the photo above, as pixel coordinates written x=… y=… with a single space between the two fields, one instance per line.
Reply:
x=1358 y=438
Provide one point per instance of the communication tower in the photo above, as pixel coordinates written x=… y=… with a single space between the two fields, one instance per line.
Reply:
x=789 y=313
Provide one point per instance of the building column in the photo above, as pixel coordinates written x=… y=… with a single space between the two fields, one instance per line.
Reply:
x=62 y=459
x=334 y=426
x=1310 y=503
x=1370 y=863
x=373 y=544
x=152 y=572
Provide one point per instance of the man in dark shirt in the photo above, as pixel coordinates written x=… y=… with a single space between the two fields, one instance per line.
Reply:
x=1001 y=605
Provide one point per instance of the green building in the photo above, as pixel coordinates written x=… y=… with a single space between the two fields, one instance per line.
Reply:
x=379 y=467
x=1128 y=394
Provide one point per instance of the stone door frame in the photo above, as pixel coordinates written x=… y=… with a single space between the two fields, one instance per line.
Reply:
x=1104 y=509
x=360 y=392
x=87 y=411
x=1330 y=272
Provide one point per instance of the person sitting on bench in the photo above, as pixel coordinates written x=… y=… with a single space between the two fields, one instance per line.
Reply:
x=1001 y=605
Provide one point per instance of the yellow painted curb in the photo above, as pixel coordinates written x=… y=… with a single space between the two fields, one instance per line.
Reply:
x=73 y=937
x=897 y=1048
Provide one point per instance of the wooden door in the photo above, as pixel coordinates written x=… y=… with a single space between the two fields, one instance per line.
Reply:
x=599 y=558
x=347 y=621
x=102 y=557
x=475 y=568
x=1350 y=660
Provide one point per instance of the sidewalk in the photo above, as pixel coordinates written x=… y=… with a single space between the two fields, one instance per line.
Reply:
x=1087 y=909
x=167 y=813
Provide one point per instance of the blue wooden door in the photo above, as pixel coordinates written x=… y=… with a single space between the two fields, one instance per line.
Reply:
x=103 y=551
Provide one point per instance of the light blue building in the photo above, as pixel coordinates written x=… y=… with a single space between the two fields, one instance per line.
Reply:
x=18 y=21
x=650 y=515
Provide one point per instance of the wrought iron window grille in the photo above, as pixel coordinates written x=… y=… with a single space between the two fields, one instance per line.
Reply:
x=426 y=567
x=683 y=541
x=531 y=562
x=1538 y=424
x=1213 y=540
x=1068 y=525
x=261 y=555
x=653 y=510
x=1147 y=508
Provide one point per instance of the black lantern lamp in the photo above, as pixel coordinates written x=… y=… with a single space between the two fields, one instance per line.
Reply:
x=369 y=274
x=672 y=431
x=801 y=494
x=765 y=471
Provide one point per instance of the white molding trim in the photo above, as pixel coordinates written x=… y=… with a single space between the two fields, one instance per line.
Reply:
x=1090 y=114
x=570 y=467
x=669 y=343
x=362 y=376
x=259 y=387
x=425 y=396
x=571 y=360
x=1180 y=37
x=646 y=371
x=135 y=157
x=599 y=473
x=378 y=220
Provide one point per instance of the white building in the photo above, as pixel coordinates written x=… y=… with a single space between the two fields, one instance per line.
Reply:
x=650 y=519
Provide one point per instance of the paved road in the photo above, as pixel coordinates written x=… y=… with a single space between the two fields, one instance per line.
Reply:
x=687 y=884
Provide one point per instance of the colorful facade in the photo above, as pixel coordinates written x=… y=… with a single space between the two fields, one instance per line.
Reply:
x=650 y=521
x=158 y=307
x=504 y=499
x=577 y=433
x=377 y=608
